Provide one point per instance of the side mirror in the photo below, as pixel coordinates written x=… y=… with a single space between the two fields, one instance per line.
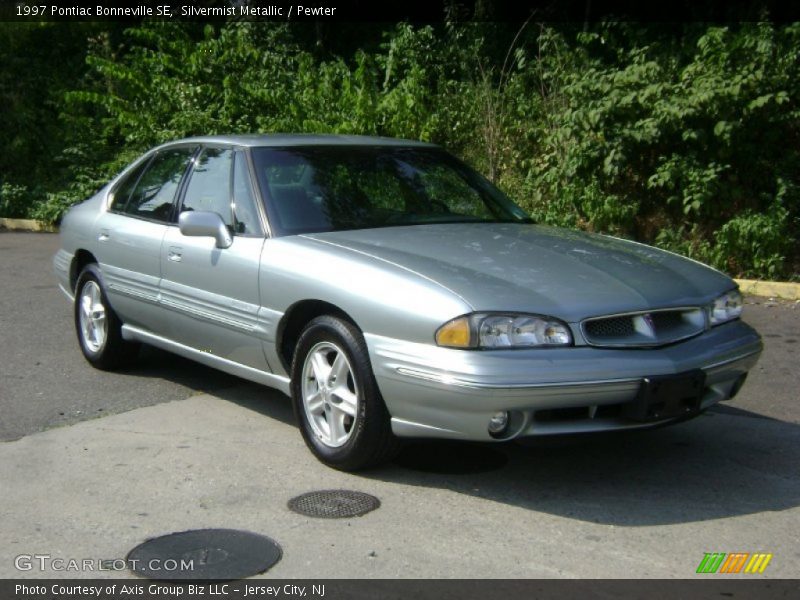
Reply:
x=205 y=223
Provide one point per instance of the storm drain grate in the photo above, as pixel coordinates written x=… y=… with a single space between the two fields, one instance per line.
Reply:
x=334 y=504
x=213 y=554
x=451 y=458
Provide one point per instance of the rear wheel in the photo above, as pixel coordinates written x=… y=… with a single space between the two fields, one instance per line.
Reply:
x=98 y=326
x=342 y=416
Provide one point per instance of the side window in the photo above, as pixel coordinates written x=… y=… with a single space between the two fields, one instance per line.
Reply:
x=156 y=188
x=209 y=188
x=244 y=205
x=123 y=192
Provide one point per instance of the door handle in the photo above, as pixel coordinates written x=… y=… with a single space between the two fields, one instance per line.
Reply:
x=174 y=254
x=104 y=235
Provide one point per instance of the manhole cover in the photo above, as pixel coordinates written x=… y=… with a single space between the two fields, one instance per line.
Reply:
x=334 y=504
x=214 y=554
x=451 y=458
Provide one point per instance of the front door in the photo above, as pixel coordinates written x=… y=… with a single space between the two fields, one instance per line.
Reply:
x=210 y=293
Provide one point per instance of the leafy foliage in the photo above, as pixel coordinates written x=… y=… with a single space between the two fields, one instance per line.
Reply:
x=683 y=136
x=697 y=153
x=14 y=200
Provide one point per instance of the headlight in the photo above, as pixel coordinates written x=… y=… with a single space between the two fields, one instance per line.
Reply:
x=725 y=308
x=503 y=331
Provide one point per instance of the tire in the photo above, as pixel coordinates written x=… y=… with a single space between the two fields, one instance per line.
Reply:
x=98 y=326
x=336 y=400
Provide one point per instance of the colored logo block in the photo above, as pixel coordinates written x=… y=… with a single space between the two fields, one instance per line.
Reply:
x=734 y=562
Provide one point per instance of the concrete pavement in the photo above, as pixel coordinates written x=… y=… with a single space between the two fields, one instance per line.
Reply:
x=638 y=505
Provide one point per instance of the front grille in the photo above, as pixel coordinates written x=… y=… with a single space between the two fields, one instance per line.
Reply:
x=645 y=328
x=613 y=327
x=666 y=321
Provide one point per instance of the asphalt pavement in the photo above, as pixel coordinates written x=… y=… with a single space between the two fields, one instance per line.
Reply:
x=94 y=463
x=44 y=380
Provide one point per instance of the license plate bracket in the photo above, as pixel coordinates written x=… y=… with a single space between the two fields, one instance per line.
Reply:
x=667 y=396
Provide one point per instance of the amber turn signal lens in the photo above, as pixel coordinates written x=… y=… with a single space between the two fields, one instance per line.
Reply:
x=455 y=333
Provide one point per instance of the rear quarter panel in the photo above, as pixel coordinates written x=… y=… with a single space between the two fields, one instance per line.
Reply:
x=77 y=232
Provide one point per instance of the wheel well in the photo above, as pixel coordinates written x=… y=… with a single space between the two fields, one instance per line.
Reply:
x=295 y=320
x=82 y=258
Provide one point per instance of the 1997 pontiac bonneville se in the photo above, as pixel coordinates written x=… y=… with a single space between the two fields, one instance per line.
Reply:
x=393 y=292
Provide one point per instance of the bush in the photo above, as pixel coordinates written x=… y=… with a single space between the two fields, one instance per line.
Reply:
x=14 y=201
x=686 y=136
x=697 y=151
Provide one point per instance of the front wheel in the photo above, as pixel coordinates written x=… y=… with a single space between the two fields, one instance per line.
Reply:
x=98 y=326
x=342 y=416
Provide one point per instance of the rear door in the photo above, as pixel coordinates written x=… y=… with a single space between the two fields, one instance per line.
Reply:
x=131 y=232
x=212 y=293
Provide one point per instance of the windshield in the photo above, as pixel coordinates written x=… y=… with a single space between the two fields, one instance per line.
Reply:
x=334 y=188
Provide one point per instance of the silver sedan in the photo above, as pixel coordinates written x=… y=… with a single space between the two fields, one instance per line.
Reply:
x=393 y=292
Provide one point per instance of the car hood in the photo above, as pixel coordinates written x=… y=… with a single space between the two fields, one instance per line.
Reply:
x=531 y=268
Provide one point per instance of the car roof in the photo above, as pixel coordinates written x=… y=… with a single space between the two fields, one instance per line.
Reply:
x=300 y=139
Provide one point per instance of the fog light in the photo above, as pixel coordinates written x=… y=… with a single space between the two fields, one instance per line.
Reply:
x=498 y=423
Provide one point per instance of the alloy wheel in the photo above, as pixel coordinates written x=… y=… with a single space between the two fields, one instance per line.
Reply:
x=330 y=395
x=92 y=317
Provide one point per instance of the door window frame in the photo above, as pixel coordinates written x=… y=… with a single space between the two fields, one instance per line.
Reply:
x=148 y=158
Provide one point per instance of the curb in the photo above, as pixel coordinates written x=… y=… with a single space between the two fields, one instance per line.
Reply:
x=771 y=289
x=27 y=225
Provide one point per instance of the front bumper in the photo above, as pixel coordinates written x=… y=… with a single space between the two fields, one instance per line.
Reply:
x=446 y=393
x=62 y=261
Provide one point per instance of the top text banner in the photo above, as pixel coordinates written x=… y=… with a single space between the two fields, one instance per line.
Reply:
x=431 y=11
x=98 y=10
